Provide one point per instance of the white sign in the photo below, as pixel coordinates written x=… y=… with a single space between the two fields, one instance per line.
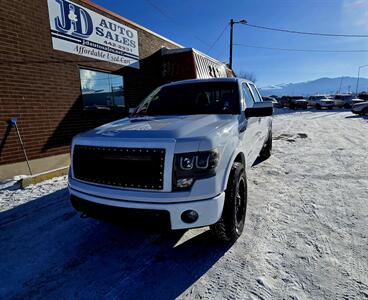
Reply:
x=81 y=31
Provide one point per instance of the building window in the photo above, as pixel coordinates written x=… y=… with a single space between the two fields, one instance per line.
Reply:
x=101 y=89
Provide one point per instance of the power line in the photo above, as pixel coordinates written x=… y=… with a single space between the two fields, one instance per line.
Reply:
x=219 y=37
x=307 y=33
x=162 y=12
x=303 y=50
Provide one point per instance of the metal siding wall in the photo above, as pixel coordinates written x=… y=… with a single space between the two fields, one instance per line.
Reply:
x=203 y=65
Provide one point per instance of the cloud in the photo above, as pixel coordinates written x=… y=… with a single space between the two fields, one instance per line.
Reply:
x=87 y=80
x=355 y=13
x=355 y=4
x=359 y=4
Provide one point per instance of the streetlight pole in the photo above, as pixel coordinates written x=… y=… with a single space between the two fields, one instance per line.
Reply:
x=357 y=85
x=232 y=22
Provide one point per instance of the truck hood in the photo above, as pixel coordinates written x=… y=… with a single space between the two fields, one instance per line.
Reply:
x=163 y=127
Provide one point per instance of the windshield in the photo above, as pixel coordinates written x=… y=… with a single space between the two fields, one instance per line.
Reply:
x=321 y=98
x=192 y=99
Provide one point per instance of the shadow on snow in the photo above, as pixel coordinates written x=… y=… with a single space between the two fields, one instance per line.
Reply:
x=48 y=250
x=357 y=117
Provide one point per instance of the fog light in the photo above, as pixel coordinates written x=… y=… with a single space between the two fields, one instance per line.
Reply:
x=189 y=216
x=184 y=182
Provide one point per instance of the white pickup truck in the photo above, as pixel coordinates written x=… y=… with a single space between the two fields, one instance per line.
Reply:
x=185 y=151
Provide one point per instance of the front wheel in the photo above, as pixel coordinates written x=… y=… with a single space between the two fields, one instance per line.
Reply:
x=231 y=224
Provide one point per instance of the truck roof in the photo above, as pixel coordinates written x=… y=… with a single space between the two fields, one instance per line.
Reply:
x=224 y=79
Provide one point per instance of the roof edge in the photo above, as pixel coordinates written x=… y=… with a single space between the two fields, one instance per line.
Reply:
x=96 y=6
x=194 y=50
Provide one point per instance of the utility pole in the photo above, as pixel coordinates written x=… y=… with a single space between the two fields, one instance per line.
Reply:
x=231 y=44
x=342 y=77
x=357 y=85
x=232 y=22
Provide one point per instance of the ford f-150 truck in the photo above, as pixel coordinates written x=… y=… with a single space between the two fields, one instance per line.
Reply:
x=185 y=150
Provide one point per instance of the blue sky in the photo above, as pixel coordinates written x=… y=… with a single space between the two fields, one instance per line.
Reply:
x=198 y=23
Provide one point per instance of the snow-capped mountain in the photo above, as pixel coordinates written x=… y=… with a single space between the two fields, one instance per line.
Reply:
x=318 y=86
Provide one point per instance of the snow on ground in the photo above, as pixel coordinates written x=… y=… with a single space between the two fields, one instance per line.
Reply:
x=12 y=196
x=306 y=233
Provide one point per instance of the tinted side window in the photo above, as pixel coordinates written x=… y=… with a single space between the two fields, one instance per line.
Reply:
x=247 y=94
x=257 y=97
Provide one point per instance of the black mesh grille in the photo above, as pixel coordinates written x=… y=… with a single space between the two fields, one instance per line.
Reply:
x=137 y=168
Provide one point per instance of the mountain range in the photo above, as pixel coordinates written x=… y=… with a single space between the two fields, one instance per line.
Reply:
x=318 y=86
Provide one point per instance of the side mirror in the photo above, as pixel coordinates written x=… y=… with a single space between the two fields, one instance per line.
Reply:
x=260 y=109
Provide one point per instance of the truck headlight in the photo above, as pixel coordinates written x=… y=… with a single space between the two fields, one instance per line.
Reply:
x=194 y=165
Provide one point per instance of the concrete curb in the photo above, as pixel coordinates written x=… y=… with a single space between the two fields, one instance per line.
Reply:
x=37 y=178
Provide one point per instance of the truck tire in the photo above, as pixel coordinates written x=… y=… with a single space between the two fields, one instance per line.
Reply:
x=231 y=224
x=267 y=147
x=318 y=107
x=365 y=112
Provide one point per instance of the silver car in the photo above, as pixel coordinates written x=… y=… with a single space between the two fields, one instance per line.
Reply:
x=346 y=100
x=320 y=102
x=360 y=108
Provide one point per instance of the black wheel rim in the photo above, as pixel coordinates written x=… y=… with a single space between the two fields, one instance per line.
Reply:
x=240 y=205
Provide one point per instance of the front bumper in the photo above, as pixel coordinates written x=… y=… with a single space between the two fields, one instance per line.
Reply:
x=209 y=210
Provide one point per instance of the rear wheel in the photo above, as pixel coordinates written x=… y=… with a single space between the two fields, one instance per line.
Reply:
x=231 y=224
x=365 y=111
x=318 y=106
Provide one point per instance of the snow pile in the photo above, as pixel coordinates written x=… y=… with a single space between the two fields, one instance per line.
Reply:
x=11 y=195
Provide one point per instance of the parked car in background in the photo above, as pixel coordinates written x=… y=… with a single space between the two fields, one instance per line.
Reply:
x=284 y=101
x=273 y=100
x=320 y=102
x=346 y=100
x=293 y=102
x=363 y=96
x=298 y=102
x=183 y=154
x=360 y=108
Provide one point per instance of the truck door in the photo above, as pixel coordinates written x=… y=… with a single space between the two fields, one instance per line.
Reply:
x=263 y=121
x=250 y=135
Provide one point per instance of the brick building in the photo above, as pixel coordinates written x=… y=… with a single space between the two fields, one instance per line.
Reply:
x=68 y=66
